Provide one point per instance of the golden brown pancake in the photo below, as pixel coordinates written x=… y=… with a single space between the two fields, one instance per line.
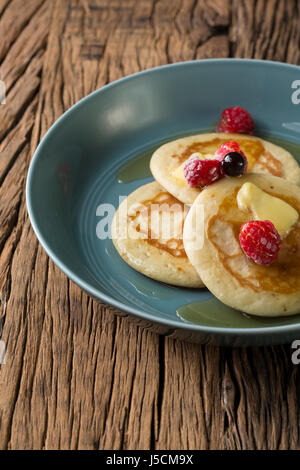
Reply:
x=147 y=232
x=263 y=157
x=272 y=290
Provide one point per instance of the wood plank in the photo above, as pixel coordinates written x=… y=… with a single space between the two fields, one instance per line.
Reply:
x=14 y=18
x=275 y=38
x=27 y=47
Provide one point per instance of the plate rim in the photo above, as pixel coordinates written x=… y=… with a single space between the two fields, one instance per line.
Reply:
x=97 y=293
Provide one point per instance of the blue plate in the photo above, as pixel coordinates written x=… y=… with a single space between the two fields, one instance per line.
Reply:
x=100 y=149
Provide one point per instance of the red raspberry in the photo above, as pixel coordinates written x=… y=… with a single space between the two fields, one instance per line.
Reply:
x=260 y=241
x=227 y=147
x=236 y=119
x=200 y=173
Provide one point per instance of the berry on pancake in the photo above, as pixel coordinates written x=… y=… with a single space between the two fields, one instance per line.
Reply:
x=200 y=173
x=260 y=241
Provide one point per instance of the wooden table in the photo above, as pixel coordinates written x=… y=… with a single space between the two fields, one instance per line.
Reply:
x=76 y=375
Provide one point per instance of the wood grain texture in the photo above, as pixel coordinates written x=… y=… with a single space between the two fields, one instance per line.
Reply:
x=78 y=374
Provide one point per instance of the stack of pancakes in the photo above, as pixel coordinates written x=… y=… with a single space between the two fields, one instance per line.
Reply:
x=188 y=237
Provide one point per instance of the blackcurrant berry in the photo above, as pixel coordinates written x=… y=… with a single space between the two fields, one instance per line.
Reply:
x=233 y=164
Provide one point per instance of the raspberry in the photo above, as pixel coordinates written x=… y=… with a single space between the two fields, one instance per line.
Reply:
x=200 y=173
x=236 y=119
x=228 y=147
x=260 y=241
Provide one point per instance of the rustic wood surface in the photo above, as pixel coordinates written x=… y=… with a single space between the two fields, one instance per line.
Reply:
x=77 y=376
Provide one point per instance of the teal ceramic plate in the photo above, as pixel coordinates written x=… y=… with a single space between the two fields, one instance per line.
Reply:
x=100 y=149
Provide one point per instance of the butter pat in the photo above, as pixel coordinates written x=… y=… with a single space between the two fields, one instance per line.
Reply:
x=266 y=207
x=178 y=174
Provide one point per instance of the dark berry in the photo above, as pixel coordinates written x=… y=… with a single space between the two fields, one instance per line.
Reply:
x=234 y=164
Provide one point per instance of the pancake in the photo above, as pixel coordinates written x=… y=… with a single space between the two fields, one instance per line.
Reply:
x=147 y=242
x=272 y=290
x=263 y=157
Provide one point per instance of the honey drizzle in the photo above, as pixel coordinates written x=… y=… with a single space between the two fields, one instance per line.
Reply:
x=179 y=251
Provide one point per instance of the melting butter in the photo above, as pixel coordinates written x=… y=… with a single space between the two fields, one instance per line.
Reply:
x=178 y=174
x=266 y=207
